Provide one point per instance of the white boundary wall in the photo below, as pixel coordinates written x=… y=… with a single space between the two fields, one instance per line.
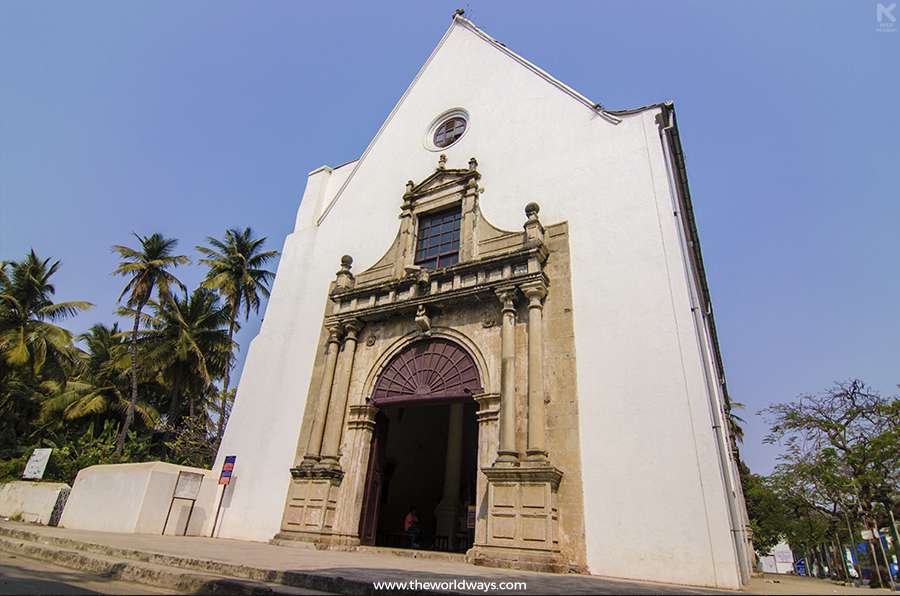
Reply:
x=30 y=501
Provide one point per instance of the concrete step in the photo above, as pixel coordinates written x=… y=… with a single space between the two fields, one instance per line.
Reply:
x=139 y=572
x=102 y=558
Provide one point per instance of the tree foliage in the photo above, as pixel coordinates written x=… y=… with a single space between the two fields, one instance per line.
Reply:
x=156 y=391
x=838 y=471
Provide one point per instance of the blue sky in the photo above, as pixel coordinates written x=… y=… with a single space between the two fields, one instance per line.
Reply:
x=187 y=118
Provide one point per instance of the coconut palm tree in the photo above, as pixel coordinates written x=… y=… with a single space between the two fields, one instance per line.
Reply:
x=237 y=271
x=35 y=354
x=735 y=422
x=148 y=270
x=29 y=340
x=188 y=342
x=102 y=387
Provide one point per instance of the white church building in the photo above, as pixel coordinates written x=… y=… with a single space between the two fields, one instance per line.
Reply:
x=497 y=314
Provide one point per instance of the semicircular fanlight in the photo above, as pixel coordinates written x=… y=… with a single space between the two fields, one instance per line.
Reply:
x=432 y=369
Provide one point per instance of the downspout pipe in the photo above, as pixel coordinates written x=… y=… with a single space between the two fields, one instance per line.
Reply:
x=671 y=150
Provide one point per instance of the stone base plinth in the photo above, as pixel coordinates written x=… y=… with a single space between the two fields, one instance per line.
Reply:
x=522 y=520
x=517 y=558
x=311 y=504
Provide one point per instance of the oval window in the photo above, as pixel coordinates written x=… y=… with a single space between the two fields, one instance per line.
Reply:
x=449 y=131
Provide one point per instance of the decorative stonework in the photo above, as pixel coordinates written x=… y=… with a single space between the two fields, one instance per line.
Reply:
x=523 y=520
x=499 y=277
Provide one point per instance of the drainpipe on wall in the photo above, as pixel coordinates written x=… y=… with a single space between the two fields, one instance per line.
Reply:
x=726 y=467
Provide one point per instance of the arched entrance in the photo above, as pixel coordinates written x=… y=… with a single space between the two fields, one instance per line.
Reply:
x=424 y=448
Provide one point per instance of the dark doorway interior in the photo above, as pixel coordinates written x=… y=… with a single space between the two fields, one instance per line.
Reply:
x=407 y=468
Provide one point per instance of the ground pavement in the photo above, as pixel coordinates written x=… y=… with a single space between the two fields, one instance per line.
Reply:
x=221 y=566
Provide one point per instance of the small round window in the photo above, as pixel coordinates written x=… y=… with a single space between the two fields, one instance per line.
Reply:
x=449 y=131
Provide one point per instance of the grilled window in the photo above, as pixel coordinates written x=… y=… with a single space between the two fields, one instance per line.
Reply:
x=437 y=242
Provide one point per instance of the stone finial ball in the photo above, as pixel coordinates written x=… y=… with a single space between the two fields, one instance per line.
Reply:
x=346 y=261
x=531 y=209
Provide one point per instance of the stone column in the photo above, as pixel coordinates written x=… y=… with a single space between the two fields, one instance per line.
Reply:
x=507 y=455
x=537 y=442
x=448 y=508
x=334 y=425
x=314 y=446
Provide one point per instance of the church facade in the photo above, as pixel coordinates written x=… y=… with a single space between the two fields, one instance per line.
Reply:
x=496 y=318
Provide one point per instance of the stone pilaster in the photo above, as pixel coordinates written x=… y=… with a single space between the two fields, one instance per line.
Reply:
x=360 y=428
x=314 y=446
x=535 y=292
x=488 y=440
x=507 y=455
x=338 y=405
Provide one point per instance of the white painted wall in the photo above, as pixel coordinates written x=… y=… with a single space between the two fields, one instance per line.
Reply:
x=134 y=498
x=30 y=501
x=654 y=493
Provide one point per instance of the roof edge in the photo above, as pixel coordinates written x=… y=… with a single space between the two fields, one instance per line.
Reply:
x=593 y=105
x=694 y=238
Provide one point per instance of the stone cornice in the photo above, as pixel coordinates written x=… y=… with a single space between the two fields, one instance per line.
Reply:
x=525 y=473
x=318 y=473
x=405 y=303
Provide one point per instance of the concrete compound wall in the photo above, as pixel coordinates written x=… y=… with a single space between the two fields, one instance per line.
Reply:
x=656 y=502
x=134 y=498
x=31 y=501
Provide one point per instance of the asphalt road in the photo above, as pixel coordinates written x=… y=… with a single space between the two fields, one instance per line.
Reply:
x=19 y=575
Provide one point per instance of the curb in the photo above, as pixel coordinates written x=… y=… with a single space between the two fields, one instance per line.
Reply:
x=136 y=572
x=133 y=566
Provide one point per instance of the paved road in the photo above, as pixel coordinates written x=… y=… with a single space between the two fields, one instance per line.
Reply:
x=19 y=575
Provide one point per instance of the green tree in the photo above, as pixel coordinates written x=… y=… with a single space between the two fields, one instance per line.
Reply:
x=735 y=422
x=187 y=341
x=768 y=513
x=35 y=353
x=237 y=271
x=102 y=387
x=29 y=339
x=147 y=270
x=842 y=451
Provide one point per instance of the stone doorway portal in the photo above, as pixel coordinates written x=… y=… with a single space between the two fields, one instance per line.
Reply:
x=424 y=448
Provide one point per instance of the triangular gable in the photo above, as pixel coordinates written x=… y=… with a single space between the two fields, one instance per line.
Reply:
x=461 y=21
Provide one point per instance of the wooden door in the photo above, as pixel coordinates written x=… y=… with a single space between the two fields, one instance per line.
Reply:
x=368 y=519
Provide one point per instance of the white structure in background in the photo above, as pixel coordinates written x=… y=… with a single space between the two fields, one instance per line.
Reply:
x=660 y=490
x=135 y=499
x=779 y=560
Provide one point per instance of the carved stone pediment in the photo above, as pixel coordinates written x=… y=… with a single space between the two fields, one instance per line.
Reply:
x=488 y=256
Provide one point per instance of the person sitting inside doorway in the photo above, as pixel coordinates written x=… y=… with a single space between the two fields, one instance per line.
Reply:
x=411 y=527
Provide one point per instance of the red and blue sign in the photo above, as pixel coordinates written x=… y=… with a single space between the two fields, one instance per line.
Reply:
x=227 y=469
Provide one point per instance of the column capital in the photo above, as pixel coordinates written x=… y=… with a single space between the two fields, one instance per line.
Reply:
x=335 y=331
x=535 y=291
x=507 y=296
x=351 y=328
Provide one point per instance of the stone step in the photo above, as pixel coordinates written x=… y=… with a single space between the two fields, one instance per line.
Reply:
x=139 y=572
x=412 y=553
